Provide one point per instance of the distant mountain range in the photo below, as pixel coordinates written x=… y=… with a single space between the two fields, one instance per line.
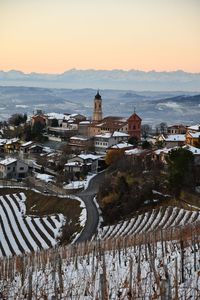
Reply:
x=106 y=79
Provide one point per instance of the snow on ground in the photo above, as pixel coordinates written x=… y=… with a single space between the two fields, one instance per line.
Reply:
x=79 y=184
x=163 y=217
x=146 y=271
x=100 y=214
x=44 y=177
x=82 y=218
x=21 y=233
x=74 y=185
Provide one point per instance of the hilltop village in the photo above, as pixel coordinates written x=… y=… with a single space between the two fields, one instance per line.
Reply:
x=120 y=198
x=64 y=148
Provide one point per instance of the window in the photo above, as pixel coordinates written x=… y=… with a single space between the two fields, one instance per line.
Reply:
x=21 y=168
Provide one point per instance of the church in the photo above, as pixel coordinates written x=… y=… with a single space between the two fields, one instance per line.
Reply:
x=99 y=125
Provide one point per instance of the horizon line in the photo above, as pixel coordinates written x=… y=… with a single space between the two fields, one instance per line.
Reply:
x=105 y=70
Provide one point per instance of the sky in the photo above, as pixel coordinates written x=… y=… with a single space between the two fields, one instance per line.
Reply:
x=52 y=36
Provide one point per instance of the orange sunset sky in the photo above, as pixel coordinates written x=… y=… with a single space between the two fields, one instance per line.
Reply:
x=52 y=36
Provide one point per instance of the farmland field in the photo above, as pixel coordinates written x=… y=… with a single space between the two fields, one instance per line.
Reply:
x=31 y=221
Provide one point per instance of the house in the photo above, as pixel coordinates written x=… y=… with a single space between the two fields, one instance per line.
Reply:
x=83 y=128
x=109 y=124
x=35 y=149
x=78 y=117
x=30 y=148
x=135 y=152
x=193 y=138
x=176 y=129
x=55 y=116
x=2 y=145
x=64 y=120
x=12 y=145
x=106 y=140
x=172 y=140
x=138 y=154
x=63 y=133
x=196 y=153
x=161 y=155
x=75 y=167
x=39 y=118
x=83 y=163
x=80 y=143
x=25 y=147
x=11 y=168
x=194 y=128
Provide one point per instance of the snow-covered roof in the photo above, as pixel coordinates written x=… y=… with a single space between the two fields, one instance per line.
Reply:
x=135 y=151
x=35 y=146
x=107 y=135
x=14 y=140
x=8 y=161
x=117 y=133
x=195 y=134
x=84 y=122
x=27 y=144
x=89 y=156
x=194 y=127
x=163 y=150
x=74 y=115
x=122 y=145
x=57 y=116
x=194 y=150
x=48 y=150
x=79 y=137
x=60 y=116
x=175 y=138
x=3 y=141
x=74 y=164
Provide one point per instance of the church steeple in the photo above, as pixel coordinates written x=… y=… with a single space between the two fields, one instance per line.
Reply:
x=97 y=112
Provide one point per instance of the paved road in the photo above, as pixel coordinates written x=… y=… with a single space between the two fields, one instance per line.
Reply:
x=92 y=213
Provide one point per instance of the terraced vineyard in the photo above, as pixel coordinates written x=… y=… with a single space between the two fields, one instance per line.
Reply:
x=21 y=233
x=158 y=265
x=165 y=217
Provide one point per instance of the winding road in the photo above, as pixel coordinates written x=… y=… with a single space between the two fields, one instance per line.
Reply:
x=87 y=196
x=92 y=212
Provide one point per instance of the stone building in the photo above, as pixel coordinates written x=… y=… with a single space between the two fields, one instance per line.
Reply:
x=99 y=125
x=134 y=126
x=97 y=113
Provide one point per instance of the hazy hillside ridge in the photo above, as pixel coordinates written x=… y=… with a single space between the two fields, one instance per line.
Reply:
x=153 y=107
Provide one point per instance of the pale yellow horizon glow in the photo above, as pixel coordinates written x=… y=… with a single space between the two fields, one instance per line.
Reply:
x=51 y=36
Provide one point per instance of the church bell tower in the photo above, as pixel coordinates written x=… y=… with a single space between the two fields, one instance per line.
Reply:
x=97 y=112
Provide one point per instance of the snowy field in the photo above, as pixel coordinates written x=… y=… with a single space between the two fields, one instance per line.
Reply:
x=20 y=233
